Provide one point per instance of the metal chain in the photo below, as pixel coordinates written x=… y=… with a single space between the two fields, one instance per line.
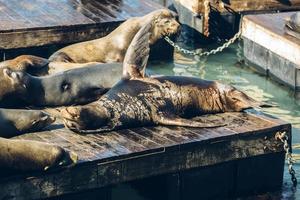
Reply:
x=198 y=52
x=284 y=139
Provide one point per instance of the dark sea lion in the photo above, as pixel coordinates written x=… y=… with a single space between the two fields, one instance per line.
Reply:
x=15 y=122
x=137 y=100
x=112 y=48
x=33 y=65
x=292 y=26
x=27 y=155
x=75 y=86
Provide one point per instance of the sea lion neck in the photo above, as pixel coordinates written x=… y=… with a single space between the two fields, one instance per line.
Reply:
x=34 y=86
x=212 y=100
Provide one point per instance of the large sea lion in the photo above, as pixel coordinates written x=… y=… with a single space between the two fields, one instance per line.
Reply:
x=17 y=121
x=112 y=48
x=27 y=155
x=137 y=100
x=75 y=86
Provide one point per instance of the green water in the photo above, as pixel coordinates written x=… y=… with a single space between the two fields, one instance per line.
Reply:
x=226 y=68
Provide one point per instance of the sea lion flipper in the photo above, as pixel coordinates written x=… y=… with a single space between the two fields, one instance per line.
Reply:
x=177 y=121
x=137 y=54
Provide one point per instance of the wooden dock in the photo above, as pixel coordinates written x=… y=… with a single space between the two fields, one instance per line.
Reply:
x=220 y=19
x=243 y=157
x=32 y=23
x=268 y=48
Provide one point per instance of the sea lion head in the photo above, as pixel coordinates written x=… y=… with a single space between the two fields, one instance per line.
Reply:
x=32 y=121
x=294 y=22
x=33 y=65
x=12 y=82
x=234 y=100
x=164 y=24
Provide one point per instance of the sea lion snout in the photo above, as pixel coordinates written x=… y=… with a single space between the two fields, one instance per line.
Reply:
x=236 y=100
x=34 y=121
x=43 y=120
x=165 y=23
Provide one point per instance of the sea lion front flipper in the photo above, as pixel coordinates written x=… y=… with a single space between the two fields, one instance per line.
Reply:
x=164 y=119
x=137 y=54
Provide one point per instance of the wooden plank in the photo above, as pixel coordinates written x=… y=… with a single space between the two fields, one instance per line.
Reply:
x=192 y=5
x=269 y=63
x=197 y=6
x=151 y=135
x=267 y=30
x=42 y=22
x=139 y=139
x=62 y=35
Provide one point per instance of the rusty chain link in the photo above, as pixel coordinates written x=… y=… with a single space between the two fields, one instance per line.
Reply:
x=198 y=52
x=282 y=136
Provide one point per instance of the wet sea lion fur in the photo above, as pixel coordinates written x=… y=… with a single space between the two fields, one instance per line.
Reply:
x=14 y=122
x=27 y=155
x=138 y=100
x=76 y=86
x=112 y=48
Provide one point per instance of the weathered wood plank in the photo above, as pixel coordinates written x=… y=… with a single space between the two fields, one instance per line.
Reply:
x=267 y=30
x=198 y=7
x=43 y=22
x=270 y=50
x=269 y=63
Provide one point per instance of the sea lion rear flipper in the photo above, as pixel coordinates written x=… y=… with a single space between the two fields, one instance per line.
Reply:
x=163 y=119
x=137 y=54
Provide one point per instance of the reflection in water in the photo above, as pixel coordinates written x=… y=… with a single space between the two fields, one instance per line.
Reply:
x=224 y=67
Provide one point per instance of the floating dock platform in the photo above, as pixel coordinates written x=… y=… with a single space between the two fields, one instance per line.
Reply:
x=40 y=27
x=33 y=23
x=240 y=158
x=221 y=19
x=268 y=48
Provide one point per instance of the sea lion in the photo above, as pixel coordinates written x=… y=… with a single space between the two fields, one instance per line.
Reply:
x=27 y=155
x=292 y=26
x=75 y=86
x=33 y=65
x=112 y=48
x=15 y=122
x=138 y=100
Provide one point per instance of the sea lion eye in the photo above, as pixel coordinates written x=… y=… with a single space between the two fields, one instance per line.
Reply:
x=65 y=86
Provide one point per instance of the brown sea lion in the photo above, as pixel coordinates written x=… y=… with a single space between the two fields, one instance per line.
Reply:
x=15 y=122
x=27 y=155
x=75 y=86
x=137 y=100
x=112 y=48
x=33 y=65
